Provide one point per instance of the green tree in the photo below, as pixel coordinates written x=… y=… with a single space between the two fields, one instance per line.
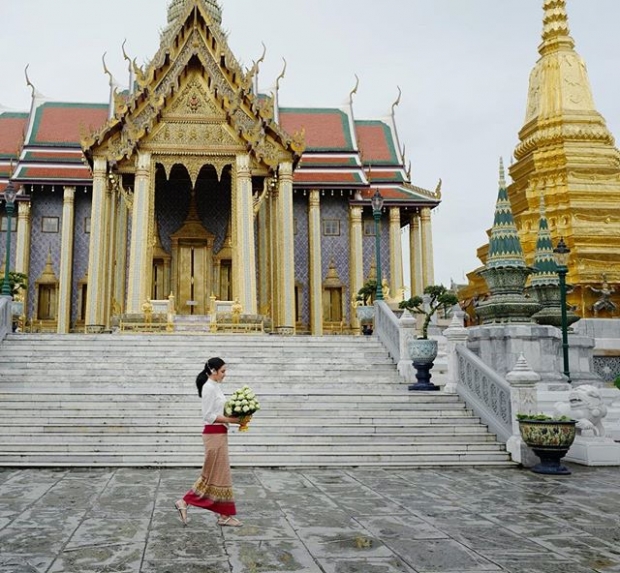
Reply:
x=439 y=297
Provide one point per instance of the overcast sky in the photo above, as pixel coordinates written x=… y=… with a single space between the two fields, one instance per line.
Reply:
x=462 y=65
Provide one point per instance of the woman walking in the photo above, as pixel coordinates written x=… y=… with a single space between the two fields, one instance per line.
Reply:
x=213 y=489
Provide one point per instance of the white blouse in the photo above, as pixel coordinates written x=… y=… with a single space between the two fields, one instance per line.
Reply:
x=213 y=401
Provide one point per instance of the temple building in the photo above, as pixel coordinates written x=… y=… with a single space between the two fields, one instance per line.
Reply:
x=191 y=185
x=567 y=158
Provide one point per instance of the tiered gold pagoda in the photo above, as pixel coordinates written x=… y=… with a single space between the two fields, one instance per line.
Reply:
x=566 y=154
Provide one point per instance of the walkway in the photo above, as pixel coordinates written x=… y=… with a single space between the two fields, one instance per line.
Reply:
x=313 y=521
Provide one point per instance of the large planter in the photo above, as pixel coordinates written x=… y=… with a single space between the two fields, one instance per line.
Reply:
x=550 y=440
x=17 y=308
x=422 y=353
x=422 y=350
x=366 y=316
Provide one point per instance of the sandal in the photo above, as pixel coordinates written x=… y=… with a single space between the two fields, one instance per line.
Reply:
x=182 y=513
x=229 y=521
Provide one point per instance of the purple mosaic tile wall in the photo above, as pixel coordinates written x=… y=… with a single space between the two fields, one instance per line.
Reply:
x=44 y=203
x=302 y=261
x=81 y=242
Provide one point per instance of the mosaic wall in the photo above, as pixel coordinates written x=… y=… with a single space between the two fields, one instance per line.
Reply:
x=334 y=207
x=302 y=258
x=46 y=207
x=81 y=242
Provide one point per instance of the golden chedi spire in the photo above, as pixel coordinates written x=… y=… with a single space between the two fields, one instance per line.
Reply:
x=567 y=151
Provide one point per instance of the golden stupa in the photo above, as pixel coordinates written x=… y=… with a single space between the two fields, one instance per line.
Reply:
x=567 y=155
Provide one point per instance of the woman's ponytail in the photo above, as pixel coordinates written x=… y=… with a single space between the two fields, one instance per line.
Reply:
x=211 y=365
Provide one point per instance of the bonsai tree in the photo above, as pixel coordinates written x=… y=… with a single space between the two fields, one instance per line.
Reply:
x=439 y=297
x=367 y=292
x=18 y=282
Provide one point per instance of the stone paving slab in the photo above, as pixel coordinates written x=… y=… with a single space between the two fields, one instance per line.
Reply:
x=313 y=521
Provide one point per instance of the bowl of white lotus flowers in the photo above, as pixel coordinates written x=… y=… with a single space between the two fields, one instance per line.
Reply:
x=243 y=404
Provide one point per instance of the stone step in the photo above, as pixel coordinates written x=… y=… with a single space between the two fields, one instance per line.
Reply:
x=130 y=400
x=196 y=448
x=246 y=439
x=327 y=458
x=316 y=427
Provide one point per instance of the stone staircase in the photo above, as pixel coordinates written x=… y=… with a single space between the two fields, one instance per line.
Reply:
x=130 y=400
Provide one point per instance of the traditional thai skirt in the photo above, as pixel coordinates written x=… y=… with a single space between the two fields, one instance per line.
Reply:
x=213 y=489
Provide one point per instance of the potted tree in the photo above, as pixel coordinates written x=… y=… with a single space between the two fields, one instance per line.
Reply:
x=364 y=309
x=550 y=438
x=423 y=351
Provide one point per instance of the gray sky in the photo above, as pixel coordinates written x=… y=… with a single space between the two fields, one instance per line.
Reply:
x=463 y=67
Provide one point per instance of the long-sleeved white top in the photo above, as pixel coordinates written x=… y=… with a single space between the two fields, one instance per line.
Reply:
x=213 y=401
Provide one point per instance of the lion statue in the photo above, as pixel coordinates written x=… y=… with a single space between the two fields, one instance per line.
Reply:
x=585 y=405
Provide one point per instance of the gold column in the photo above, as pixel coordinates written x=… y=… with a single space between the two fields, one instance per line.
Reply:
x=396 y=254
x=356 y=257
x=245 y=250
x=316 y=269
x=262 y=257
x=286 y=242
x=22 y=247
x=428 y=271
x=96 y=260
x=139 y=284
x=273 y=256
x=415 y=255
x=120 y=262
x=111 y=213
x=66 y=261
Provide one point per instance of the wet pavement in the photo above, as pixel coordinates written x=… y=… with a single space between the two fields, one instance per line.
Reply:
x=313 y=521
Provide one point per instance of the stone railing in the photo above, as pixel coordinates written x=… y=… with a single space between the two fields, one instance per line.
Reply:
x=487 y=393
x=387 y=329
x=6 y=317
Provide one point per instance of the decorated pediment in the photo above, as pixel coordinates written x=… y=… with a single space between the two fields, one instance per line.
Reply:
x=195 y=94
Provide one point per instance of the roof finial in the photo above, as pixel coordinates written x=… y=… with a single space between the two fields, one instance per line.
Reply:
x=354 y=90
x=555 y=26
x=502 y=174
x=29 y=83
x=397 y=102
x=281 y=76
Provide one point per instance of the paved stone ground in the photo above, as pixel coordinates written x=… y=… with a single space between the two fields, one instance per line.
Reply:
x=313 y=521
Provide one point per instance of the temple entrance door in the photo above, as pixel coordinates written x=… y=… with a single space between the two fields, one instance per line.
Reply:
x=193 y=280
x=226 y=286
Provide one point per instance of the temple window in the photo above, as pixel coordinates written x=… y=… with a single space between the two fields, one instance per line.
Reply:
x=331 y=227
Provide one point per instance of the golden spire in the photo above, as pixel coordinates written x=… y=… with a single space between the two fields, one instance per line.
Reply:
x=556 y=32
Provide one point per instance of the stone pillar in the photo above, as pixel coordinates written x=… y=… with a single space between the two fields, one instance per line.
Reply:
x=396 y=254
x=65 y=277
x=316 y=268
x=96 y=261
x=415 y=255
x=285 y=247
x=455 y=334
x=428 y=271
x=407 y=330
x=139 y=263
x=356 y=258
x=24 y=230
x=523 y=400
x=245 y=249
